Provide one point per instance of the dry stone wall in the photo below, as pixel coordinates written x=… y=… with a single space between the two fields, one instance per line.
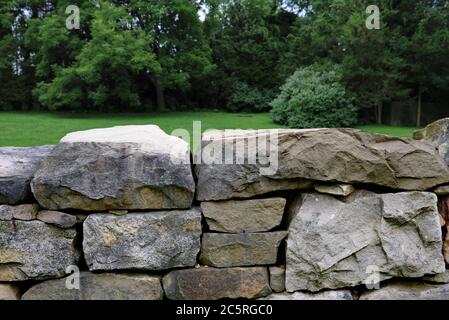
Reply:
x=346 y=215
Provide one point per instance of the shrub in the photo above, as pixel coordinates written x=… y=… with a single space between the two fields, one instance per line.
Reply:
x=250 y=99
x=314 y=98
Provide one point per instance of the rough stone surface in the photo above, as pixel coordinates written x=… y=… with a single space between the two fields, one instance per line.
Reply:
x=437 y=134
x=17 y=167
x=244 y=216
x=443 y=207
x=236 y=250
x=9 y=292
x=214 y=284
x=142 y=241
x=59 y=219
x=333 y=244
x=100 y=287
x=131 y=167
x=35 y=250
x=325 y=155
x=302 y=296
x=277 y=278
x=25 y=212
x=439 y=278
x=343 y=190
x=408 y=291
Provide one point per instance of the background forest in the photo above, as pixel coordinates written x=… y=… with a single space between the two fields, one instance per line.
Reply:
x=310 y=62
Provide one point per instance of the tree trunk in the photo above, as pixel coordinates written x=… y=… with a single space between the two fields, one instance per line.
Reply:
x=379 y=109
x=419 y=108
x=160 y=97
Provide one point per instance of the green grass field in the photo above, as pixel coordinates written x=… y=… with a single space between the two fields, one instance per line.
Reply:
x=23 y=129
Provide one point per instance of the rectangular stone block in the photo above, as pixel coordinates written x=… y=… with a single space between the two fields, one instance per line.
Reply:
x=33 y=250
x=244 y=216
x=245 y=249
x=214 y=284
x=142 y=241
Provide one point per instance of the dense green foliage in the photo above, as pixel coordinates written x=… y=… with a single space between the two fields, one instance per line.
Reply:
x=314 y=98
x=145 y=55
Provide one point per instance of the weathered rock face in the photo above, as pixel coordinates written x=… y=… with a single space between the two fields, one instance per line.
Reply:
x=236 y=250
x=300 y=296
x=437 y=134
x=131 y=167
x=17 y=168
x=59 y=219
x=35 y=250
x=244 y=216
x=9 y=292
x=214 y=284
x=142 y=241
x=443 y=207
x=277 y=278
x=25 y=212
x=326 y=155
x=408 y=291
x=334 y=244
x=99 y=287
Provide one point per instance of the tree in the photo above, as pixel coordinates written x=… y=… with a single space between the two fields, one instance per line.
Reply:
x=178 y=43
x=17 y=71
x=247 y=38
x=427 y=50
x=335 y=32
x=103 y=73
x=8 y=58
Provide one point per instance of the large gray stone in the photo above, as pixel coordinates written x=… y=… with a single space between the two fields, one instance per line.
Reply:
x=244 y=216
x=437 y=134
x=214 y=284
x=142 y=241
x=408 y=291
x=25 y=212
x=334 y=244
x=302 y=296
x=17 y=168
x=237 y=250
x=326 y=155
x=35 y=250
x=131 y=167
x=105 y=286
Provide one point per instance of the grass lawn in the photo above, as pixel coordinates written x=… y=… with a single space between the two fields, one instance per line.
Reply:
x=403 y=132
x=23 y=129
